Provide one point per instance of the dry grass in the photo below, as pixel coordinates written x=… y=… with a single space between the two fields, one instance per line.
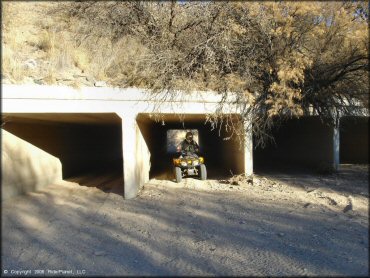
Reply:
x=61 y=48
x=46 y=41
x=13 y=67
x=50 y=78
x=30 y=34
x=81 y=59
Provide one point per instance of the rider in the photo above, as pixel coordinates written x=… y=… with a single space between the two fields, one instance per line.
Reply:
x=189 y=146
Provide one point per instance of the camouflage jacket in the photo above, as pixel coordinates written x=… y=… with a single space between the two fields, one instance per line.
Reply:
x=191 y=147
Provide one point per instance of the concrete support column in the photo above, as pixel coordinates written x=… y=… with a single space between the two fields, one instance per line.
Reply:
x=336 y=149
x=248 y=149
x=131 y=185
x=136 y=156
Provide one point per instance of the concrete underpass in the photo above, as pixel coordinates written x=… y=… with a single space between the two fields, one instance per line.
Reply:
x=222 y=157
x=354 y=140
x=104 y=150
x=104 y=137
x=88 y=146
x=299 y=144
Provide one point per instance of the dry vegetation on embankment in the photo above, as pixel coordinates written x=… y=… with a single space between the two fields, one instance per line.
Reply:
x=287 y=59
x=41 y=46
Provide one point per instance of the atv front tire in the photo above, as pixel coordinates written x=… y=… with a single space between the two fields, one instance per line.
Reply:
x=203 y=172
x=178 y=174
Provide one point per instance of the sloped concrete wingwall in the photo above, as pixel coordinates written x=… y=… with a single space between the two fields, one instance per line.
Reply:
x=24 y=167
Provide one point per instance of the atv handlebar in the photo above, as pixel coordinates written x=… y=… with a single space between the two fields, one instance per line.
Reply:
x=184 y=153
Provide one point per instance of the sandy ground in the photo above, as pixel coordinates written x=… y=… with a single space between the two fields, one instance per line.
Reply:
x=280 y=224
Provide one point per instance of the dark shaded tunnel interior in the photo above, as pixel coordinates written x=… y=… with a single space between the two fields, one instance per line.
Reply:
x=299 y=145
x=221 y=157
x=354 y=140
x=88 y=145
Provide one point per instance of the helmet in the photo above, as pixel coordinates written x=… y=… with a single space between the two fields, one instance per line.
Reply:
x=189 y=136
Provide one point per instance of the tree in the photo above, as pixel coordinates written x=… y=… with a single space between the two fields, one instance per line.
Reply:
x=280 y=59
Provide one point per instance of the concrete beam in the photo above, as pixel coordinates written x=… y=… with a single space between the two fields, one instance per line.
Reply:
x=57 y=92
x=59 y=99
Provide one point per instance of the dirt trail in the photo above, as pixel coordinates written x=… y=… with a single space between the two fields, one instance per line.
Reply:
x=278 y=225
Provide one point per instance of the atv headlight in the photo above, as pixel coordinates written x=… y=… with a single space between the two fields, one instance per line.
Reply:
x=201 y=160
x=183 y=163
x=195 y=162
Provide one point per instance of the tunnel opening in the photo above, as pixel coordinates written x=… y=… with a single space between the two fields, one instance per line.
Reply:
x=222 y=157
x=354 y=140
x=299 y=145
x=88 y=145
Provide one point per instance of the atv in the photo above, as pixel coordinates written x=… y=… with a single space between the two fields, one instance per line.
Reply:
x=189 y=165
